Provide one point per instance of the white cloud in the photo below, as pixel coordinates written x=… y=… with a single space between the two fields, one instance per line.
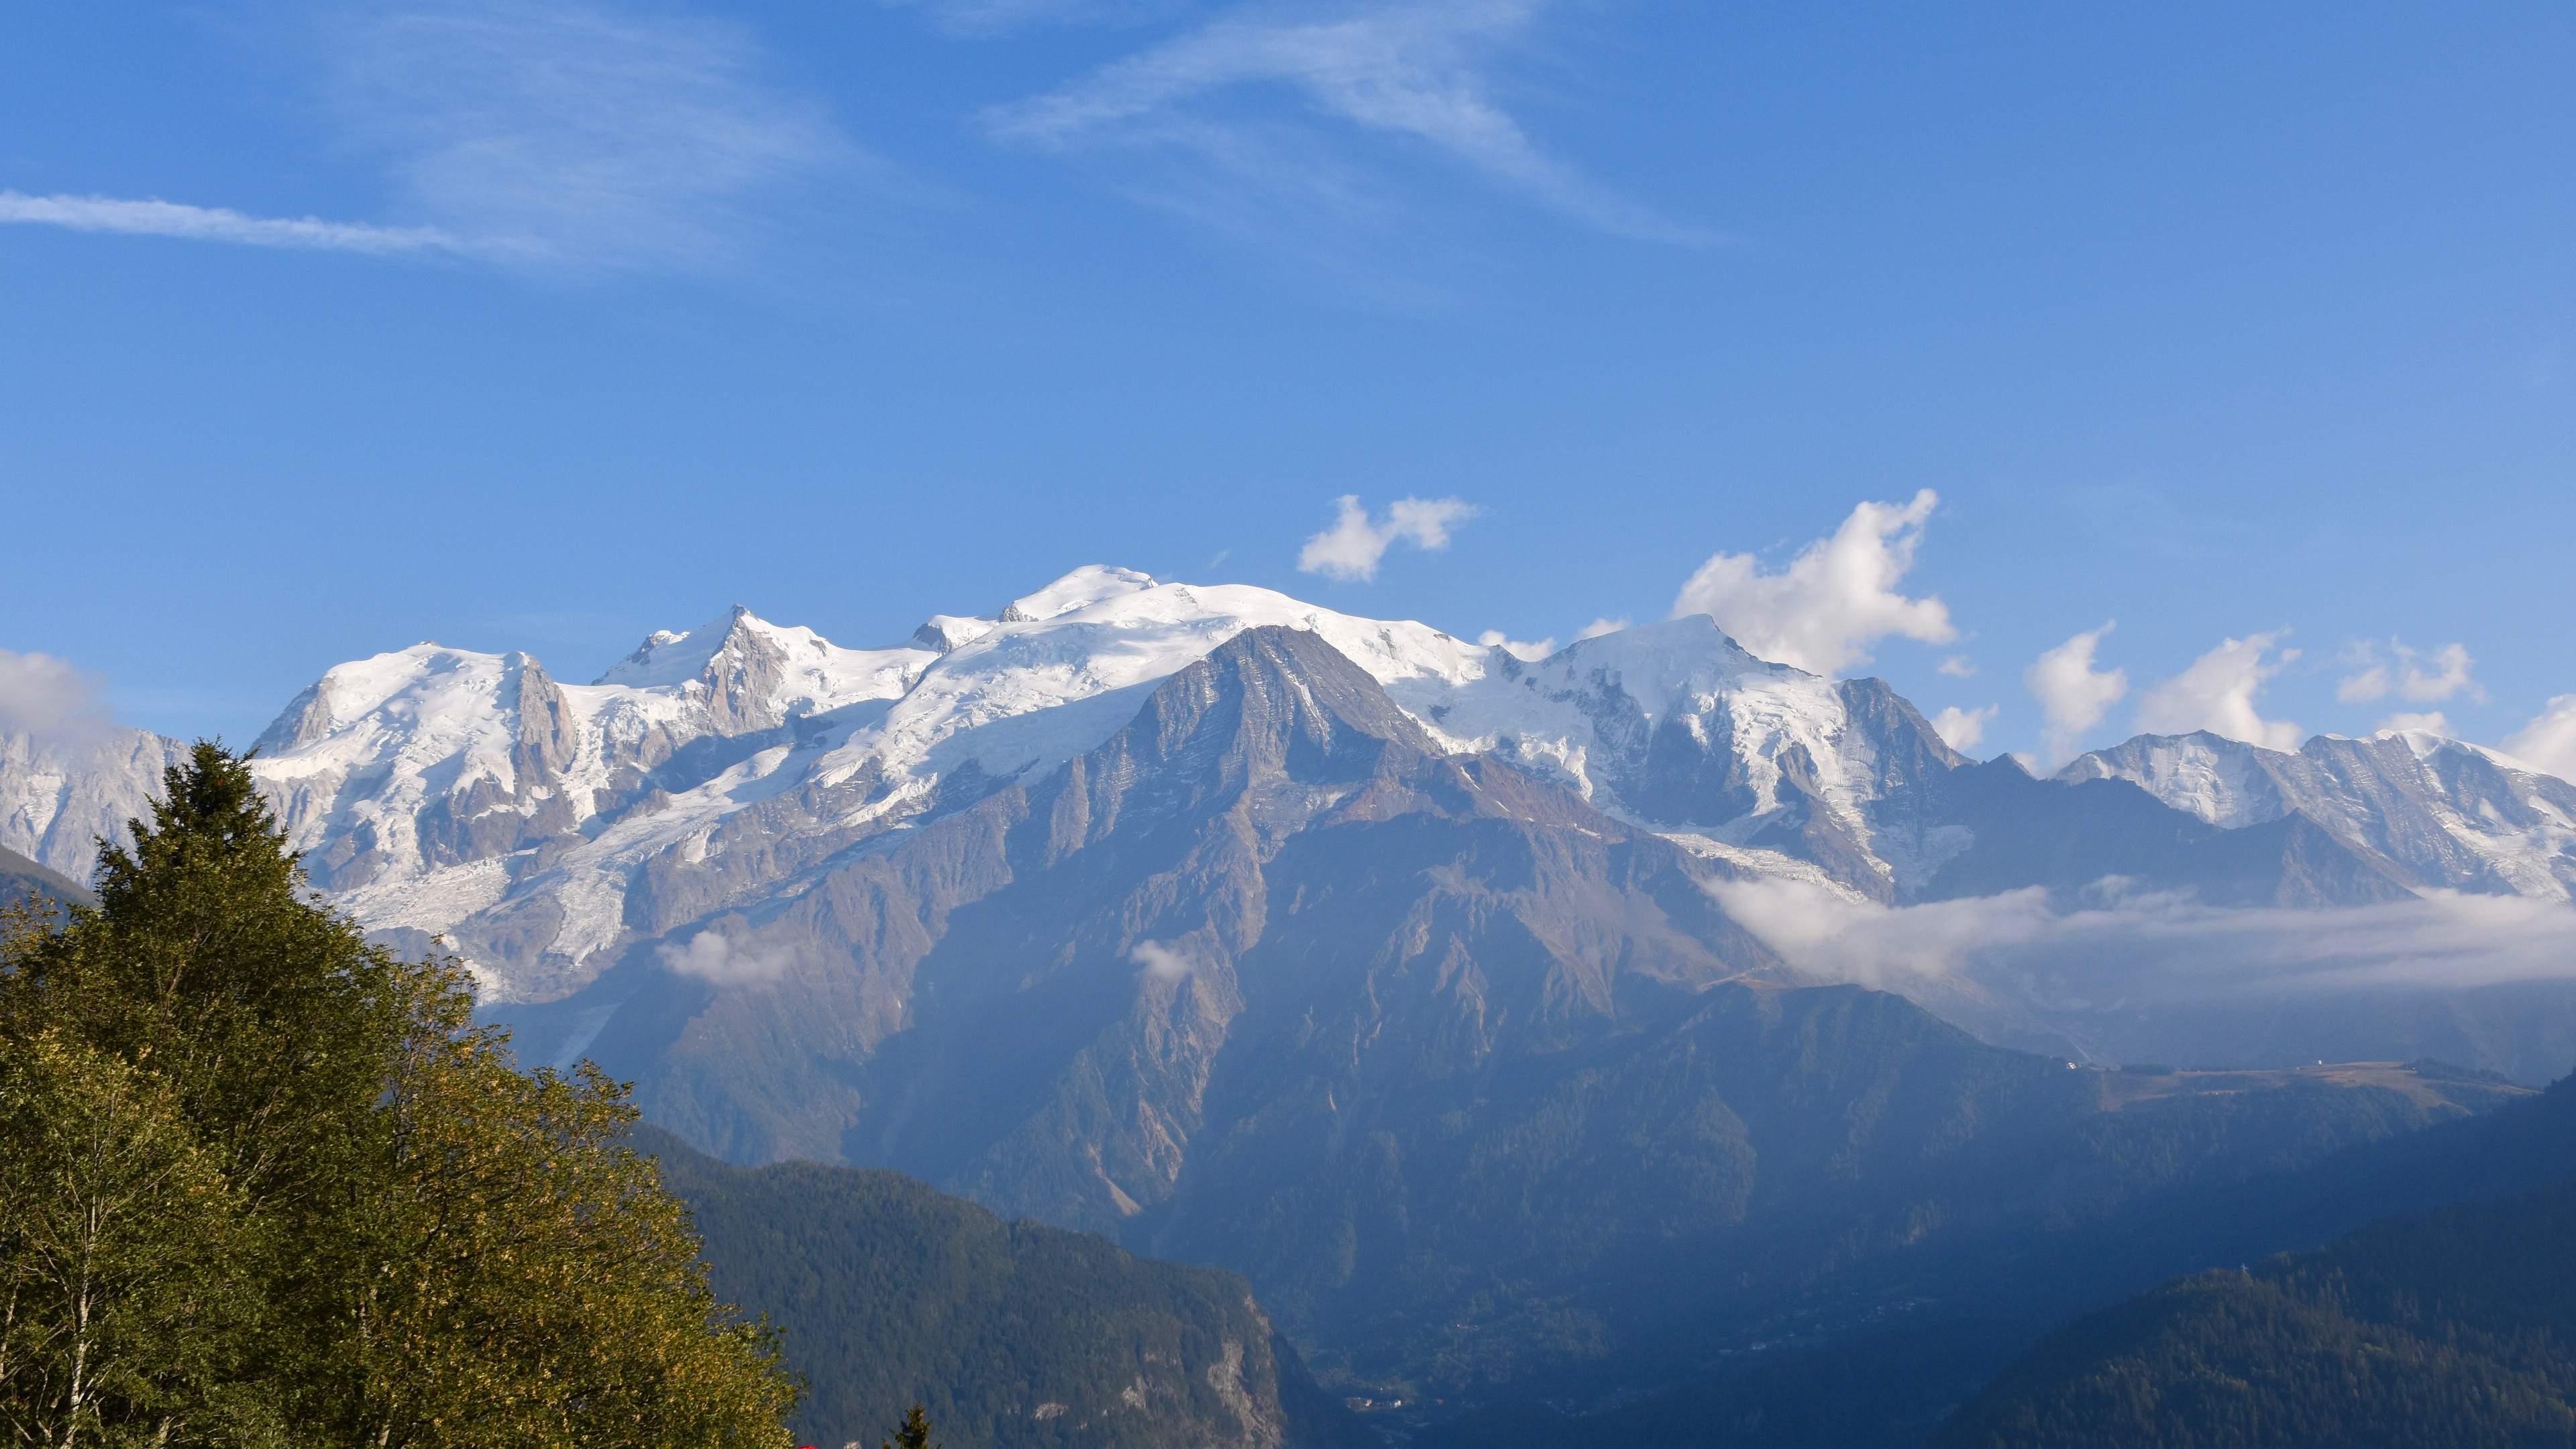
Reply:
x=1414 y=69
x=2433 y=722
x=2217 y=694
x=1825 y=933
x=1528 y=651
x=2159 y=944
x=2549 y=741
x=2073 y=696
x=1352 y=547
x=1958 y=666
x=1964 y=729
x=40 y=694
x=1836 y=598
x=2374 y=679
x=1601 y=626
x=1160 y=961
x=710 y=957
x=214 y=223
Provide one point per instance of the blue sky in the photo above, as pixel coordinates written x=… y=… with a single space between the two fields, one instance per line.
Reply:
x=542 y=325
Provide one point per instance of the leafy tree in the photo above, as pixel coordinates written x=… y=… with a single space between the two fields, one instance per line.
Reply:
x=118 y=1244
x=413 y=1243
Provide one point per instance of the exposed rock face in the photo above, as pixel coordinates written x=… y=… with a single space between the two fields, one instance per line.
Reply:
x=1108 y=910
x=61 y=794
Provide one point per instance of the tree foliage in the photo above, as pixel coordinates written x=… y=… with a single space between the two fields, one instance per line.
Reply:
x=262 y=1183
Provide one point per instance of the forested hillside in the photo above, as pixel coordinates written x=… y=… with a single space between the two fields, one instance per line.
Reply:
x=1879 y=1352
x=1014 y=1335
x=2452 y=1328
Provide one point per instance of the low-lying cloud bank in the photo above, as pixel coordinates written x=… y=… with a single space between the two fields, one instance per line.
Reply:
x=2138 y=947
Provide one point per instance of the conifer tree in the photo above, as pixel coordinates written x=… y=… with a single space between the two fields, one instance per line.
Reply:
x=912 y=1433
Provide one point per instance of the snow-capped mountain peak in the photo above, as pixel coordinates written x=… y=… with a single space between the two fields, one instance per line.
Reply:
x=436 y=788
x=2453 y=815
x=1079 y=589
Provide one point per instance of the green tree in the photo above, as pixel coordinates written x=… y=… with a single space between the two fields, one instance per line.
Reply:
x=913 y=1432
x=118 y=1255
x=435 y=1249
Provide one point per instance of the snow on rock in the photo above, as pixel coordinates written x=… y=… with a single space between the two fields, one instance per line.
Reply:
x=2453 y=815
x=61 y=792
x=546 y=826
x=2225 y=782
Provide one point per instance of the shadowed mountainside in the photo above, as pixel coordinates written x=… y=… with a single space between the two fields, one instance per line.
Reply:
x=1015 y=1335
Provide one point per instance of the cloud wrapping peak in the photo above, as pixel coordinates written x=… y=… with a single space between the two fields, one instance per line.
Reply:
x=215 y=223
x=2073 y=696
x=1412 y=68
x=43 y=695
x=2549 y=741
x=1352 y=547
x=1529 y=651
x=1836 y=598
x=2217 y=694
x=2374 y=681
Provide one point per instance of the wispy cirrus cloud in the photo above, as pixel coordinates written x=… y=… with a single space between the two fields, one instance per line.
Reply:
x=221 y=224
x=591 y=135
x=1001 y=17
x=535 y=132
x=1416 y=71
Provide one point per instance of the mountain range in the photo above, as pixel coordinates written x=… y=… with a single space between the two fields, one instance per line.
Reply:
x=1508 y=1023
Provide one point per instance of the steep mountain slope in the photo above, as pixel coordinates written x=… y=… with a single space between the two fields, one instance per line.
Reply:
x=1472 y=1079
x=22 y=880
x=2440 y=812
x=61 y=793
x=1014 y=1335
